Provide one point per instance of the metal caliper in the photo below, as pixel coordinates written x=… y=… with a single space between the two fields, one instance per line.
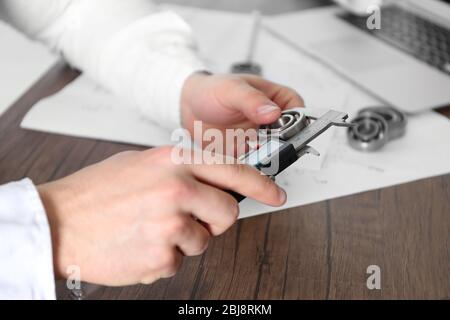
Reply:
x=285 y=141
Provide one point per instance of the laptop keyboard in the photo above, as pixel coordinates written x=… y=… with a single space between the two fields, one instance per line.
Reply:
x=410 y=33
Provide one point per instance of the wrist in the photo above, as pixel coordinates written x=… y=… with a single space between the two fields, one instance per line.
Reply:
x=189 y=92
x=48 y=194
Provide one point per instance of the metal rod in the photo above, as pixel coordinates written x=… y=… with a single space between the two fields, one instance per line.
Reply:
x=254 y=35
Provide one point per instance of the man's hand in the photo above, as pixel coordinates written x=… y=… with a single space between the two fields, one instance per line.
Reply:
x=131 y=218
x=234 y=101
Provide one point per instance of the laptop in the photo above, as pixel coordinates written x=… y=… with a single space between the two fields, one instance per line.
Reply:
x=405 y=63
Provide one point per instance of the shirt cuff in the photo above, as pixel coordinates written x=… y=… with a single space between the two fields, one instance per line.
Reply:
x=26 y=268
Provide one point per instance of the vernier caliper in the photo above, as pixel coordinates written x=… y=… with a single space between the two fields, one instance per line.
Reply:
x=286 y=140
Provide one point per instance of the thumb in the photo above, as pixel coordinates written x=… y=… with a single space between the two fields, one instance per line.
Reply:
x=251 y=102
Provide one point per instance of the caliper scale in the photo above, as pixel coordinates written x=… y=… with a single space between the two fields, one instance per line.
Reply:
x=285 y=141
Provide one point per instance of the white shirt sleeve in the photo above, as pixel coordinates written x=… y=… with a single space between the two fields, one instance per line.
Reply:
x=26 y=260
x=130 y=47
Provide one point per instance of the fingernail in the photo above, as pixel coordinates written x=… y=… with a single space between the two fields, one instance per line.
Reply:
x=267 y=109
x=282 y=195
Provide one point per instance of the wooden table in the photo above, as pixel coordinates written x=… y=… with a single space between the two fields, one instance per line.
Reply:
x=319 y=251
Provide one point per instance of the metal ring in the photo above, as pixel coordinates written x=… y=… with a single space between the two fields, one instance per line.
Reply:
x=395 y=119
x=289 y=124
x=369 y=133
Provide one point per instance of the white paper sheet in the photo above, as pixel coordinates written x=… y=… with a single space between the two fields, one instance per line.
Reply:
x=85 y=110
x=22 y=62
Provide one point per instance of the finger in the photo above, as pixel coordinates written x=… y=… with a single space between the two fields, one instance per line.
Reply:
x=286 y=97
x=216 y=208
x=242 y=179
x=171 y=263
x=192 y=238
x=253 y=103
x=164 y=262
x=283 y=96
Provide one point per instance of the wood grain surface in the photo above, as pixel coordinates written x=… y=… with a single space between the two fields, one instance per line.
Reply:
x=319 y=251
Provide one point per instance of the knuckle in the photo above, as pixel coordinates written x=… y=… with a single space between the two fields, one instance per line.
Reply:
x=158 y=153
x=170 y=263
x=242 y=172
x=234 y=211
x=233 y=81
x=255 y=97
x=231 y=211
x=148 y=232
x=229 y=216
x=294 y=95
x=176 y=227
x=147 y=280
x=153 y=263
x=124 y=154
x=289 y=90
x=238 y=171
x=127 y=153
x=264 y=188
x=252 y=77
x=182 y=189
x=300 y=98
x=269 y=187
x=228 y=84
x=164 y=150
x=203 y=241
